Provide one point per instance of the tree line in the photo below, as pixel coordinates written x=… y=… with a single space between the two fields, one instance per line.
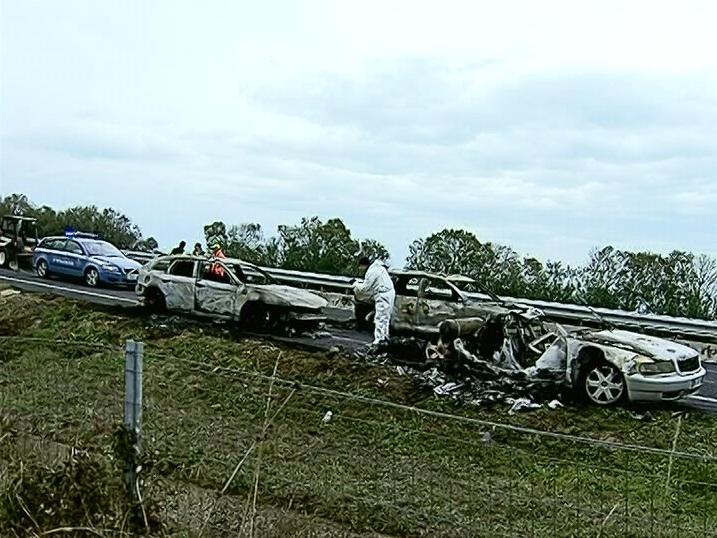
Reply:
x=677 y=284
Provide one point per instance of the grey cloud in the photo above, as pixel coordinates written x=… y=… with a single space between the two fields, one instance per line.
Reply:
x=416 y=111
x=397 y=96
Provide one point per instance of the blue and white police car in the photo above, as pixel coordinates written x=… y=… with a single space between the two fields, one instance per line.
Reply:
x=85 y=256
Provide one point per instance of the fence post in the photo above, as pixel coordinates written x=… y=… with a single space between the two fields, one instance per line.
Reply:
x=133 y=406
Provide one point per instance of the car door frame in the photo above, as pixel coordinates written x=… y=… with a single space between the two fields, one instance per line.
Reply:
x=426 y=305
x=79 y=259
x=403 y=317
x=178 y=290
x=58 y=255
x=217 y=299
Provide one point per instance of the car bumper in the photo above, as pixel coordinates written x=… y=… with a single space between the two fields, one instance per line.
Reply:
x=306 y=317
x=664 y=388
x=120 y=279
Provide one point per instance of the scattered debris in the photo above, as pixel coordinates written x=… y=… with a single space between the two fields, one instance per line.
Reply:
x=521 y=405
x=644 y=417
x=555 y=404
x=327 y=417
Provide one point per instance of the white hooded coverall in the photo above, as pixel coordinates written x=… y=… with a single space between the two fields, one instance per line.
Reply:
x=378 y=285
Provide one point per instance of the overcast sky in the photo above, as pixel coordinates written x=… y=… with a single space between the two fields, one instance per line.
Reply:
x=551 y=126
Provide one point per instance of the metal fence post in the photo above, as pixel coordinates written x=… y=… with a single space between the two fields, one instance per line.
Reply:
x=133 y=405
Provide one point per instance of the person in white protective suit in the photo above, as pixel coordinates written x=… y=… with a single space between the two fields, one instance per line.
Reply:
x=377 y=285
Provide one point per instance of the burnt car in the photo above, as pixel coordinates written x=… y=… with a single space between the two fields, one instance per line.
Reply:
x=603 y=366
x=240 y=292
x=424 y=300
x=485 y=333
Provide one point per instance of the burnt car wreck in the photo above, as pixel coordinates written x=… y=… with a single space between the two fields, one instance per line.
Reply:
x=486 y=349
x=228 y=289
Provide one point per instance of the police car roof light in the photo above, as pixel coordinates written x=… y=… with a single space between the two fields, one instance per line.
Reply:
x=82 y=235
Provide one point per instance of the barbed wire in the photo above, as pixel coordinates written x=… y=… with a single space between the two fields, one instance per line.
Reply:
x=213 y=368
x=61 y=341
x=390 y=493
x=438 y=414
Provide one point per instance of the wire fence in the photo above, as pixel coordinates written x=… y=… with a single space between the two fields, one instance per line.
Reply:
x=255 y=450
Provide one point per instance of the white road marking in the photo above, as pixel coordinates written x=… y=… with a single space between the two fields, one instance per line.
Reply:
x=69 y=290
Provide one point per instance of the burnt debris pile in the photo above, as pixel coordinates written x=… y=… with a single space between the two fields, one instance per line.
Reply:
x=461 y=374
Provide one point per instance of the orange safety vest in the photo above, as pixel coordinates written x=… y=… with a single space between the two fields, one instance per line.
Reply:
x=216 y=268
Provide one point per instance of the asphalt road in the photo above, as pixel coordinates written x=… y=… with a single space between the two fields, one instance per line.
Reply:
x=123 y=297
x=706 y=400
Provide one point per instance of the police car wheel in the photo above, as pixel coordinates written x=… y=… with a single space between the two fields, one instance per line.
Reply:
x=92 y=277
x=42 y=269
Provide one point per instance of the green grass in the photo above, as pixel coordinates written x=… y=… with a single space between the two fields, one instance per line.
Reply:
x=373 y=467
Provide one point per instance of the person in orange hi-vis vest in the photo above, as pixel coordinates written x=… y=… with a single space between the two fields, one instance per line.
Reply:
x=217 y=269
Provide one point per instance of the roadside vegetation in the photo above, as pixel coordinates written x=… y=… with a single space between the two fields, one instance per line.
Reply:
x=236 y=434
x=676 y=284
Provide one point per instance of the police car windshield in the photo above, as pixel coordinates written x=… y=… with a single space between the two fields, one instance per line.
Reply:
x=100 y=248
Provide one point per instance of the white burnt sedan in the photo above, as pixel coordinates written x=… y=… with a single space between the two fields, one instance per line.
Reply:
x=609 y=366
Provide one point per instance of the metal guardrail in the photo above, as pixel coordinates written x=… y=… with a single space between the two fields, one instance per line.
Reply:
x=701 y=330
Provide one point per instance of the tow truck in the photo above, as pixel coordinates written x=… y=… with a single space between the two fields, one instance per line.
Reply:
x=17 y=230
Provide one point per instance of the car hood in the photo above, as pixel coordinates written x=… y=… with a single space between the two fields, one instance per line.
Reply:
x=276 y=293
x=122 y=263
x=648 y=346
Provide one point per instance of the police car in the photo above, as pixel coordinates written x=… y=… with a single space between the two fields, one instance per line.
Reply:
x=83 y=255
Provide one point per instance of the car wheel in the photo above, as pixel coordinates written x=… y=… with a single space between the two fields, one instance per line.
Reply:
x=92 y=277
x=257 y=317
x=603 y=384
x=154 y=301
x=42 y=271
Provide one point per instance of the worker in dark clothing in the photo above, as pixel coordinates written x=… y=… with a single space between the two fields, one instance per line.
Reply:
x=179 y=249
x=198 y=250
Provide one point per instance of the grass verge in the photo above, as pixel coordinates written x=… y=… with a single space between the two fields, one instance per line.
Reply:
x=372 y=468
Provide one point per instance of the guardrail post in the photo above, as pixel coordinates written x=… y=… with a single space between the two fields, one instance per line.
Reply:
x=134 y=352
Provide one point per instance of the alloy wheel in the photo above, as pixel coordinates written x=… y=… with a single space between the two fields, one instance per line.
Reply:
x=604 y=385
x=42 y=269
x=92 y=278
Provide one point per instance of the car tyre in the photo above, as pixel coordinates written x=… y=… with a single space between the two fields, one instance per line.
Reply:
x=258 y=317
x=42 y=269
x=92 y=277
x=601 y=383
x=155 y=302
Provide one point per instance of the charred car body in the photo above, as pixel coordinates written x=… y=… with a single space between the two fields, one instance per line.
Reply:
x=227 y=289
x=602 y=366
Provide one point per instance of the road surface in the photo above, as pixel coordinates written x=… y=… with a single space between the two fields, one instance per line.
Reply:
x=123 y=297
x=707 y=399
